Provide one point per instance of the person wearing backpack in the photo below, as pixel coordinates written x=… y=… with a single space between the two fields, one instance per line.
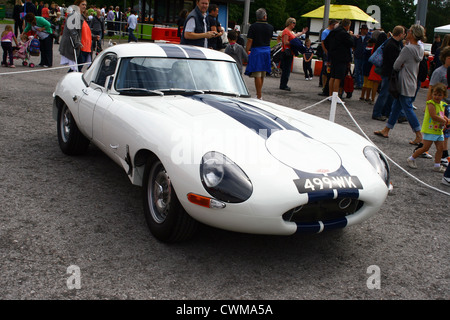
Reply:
x=392 y=48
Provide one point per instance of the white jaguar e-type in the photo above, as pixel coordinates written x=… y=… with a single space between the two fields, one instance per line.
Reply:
x=181 y=123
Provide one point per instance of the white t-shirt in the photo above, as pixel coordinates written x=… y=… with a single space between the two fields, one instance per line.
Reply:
x=190 y=27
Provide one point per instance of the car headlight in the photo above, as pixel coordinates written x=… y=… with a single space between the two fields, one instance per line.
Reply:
x=379 y=162
x=224 y=179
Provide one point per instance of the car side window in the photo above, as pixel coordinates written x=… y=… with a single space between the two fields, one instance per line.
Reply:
x=107 y=68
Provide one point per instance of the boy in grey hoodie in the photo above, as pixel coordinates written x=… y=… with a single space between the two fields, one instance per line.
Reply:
x=236 y=50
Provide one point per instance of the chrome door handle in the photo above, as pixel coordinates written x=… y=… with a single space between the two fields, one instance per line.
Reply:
x=114 y=146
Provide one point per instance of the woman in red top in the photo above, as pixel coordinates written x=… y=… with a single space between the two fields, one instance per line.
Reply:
x=287 y=59
x=45 y=12
x=86 y=36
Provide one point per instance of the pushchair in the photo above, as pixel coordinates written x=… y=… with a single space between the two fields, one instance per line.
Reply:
x=275 y=58
x=23 y=51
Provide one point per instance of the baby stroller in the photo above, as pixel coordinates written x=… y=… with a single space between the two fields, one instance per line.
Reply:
x=25 y=50
x=275 y=58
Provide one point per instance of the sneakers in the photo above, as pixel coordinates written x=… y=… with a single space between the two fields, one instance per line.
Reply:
x=426 y=155
x=445 y=181
x=411 y=163
x=439 y=169
x=444 y=161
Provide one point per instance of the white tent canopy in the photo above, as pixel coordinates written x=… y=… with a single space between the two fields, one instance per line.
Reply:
x=442 y=29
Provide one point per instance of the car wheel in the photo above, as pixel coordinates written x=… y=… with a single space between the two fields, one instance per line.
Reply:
x=71 y=140
x=165 y=216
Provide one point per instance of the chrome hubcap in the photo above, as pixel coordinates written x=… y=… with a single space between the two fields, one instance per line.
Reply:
x=159 y=194
x=65 y=124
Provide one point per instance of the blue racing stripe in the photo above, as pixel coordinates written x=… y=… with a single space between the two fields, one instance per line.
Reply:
x=194 y=53
x=253 y=120
x=172 y=51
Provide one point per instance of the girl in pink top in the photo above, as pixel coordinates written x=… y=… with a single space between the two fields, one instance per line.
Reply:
x=7 y=38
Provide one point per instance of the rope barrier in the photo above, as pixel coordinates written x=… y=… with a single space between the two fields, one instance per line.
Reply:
x=45 y=69
x=334 y=100
x=339 y=101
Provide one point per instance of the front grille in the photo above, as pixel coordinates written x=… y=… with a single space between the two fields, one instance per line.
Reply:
x=323 y=210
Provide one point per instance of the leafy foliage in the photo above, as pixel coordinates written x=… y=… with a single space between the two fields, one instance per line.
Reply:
x=393 y=12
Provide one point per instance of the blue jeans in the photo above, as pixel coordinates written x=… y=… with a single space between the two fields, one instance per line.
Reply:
x=358 y=73
x=382 y=106
x=131 y=36
x=405 y=104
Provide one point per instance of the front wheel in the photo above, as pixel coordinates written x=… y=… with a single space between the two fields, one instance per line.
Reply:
x=71 y=140
x=165 y=216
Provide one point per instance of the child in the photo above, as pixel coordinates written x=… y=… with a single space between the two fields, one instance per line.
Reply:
x=366 y=91
x=433 y=122
x=7 y=37
x=307 y=58
x=236 y=50
x=21 y=50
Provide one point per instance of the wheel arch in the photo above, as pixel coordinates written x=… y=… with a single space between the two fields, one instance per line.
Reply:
x=57 y=104
x=141 y=159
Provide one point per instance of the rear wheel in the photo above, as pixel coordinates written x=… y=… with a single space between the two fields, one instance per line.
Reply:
x=71 y=140
x=165 y=216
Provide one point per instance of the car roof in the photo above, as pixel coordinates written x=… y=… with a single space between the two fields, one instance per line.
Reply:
x=166 y=50
x=162 y=50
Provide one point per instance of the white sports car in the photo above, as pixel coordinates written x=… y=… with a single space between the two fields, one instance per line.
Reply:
x=181 y=123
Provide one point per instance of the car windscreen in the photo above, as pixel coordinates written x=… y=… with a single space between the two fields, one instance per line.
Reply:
x=175 y=76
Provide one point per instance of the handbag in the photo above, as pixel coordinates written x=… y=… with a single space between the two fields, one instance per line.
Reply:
x=394 y=84
x=377 y=57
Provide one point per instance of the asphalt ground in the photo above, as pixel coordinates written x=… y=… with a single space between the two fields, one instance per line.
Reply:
x=73 y=227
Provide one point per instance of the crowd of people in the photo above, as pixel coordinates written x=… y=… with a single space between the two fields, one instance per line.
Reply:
x=46 y=22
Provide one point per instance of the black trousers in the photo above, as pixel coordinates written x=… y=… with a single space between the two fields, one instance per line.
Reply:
x=46 y=51
x=286 y=64
x=7 y=52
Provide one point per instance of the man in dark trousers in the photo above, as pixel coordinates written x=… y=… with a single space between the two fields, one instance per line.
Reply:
x=195 y=31
x=339 y=44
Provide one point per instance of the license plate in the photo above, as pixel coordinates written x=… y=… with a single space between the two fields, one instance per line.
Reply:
x=305 y=185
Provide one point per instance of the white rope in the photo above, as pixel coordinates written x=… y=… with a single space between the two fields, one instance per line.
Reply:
x=45 y=69
x=396 y=164
x=365 y=135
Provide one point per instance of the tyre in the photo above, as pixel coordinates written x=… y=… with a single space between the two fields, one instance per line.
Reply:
x=71 y=140
x=165 y=216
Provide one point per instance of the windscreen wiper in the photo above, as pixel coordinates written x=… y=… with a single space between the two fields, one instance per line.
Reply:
x=181 y=91
x=140 y=91
x=224 y=93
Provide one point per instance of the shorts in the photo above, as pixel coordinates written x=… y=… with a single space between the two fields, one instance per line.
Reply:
x=433 y=137
x=338 y=70
x=367 y=83
x=447 y=133
x=258 y=74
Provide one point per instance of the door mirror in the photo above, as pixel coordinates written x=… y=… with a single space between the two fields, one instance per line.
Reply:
x=109 y=82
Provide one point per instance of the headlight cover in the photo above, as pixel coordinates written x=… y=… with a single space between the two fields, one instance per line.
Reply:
x=224 y=179
x=378 y=161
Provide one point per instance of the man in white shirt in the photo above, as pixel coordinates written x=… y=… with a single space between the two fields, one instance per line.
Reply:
x=195 y=31
x=131 y=24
